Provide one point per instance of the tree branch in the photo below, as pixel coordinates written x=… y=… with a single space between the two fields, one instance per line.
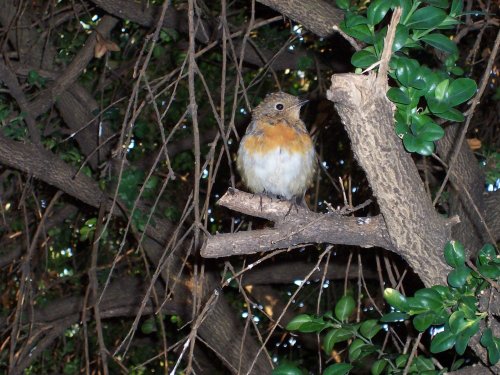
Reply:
x=292 y=229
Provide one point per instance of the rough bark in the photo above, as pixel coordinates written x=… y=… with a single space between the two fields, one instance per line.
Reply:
x=293 y=228
x=416 y=231
x=318 y=16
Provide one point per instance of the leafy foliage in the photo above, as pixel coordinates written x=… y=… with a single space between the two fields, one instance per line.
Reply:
x=422 y=95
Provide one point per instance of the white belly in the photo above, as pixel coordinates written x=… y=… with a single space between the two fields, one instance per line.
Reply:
x=277 y=172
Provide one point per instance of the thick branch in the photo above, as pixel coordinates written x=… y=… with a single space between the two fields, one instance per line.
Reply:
x=318 y=16
x=417 y=232
x=292 y=229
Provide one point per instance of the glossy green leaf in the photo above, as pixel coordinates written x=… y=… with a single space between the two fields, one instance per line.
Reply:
x=316 y=325
x=355 y=19
x=343 y=4
x=401 y=360
x=377 y=10
x=405 y=6
x=491 y=271
x=396 y=95
x=460 y=90
x=494 y=352
x=437 y=106
x=426 y=18
x=452 y=114
x=338 y=369
x=363 y=59
x=423 y=364
x=440 y=42
x=378 y=366
x=344 y=308
x=487 y=255
x=468 y=306
x=423 y=321
x=487 y=337
x=438 y=3
x=287 y=369
x=454 y=254
x=401 y=38
x=298 y=321
x=431 y=298
x=369 y=328
x=457 y=322
x=443 y=341
x=414 y=144
x=406 y=70
x=361 y=32
x=394 y=317
x=429 y=131
x=443 y=291
x=395 y=299
x=441 y=90
x=401 y=128
x=358 y=349
x=334 y=336
x=456 y=7
x=458 y=276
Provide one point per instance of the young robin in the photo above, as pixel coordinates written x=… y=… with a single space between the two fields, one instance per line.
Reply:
x=276 y=155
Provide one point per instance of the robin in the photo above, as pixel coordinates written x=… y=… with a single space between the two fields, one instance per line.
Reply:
x=276 y=156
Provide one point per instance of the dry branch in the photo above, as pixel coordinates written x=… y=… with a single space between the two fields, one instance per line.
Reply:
x=298 y=227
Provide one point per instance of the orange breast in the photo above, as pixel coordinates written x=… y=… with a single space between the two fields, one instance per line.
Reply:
x=281 y=136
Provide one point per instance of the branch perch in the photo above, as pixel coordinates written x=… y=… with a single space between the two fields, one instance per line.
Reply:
x=299 y=227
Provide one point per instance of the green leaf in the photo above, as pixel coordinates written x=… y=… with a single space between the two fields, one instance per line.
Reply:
x=406 y=71
x=363 y=59
x=344 y=308
x=415 y=144
x=343 y=4
x=358 y=349
x=396 y=95
x=429 y=131
x=440 y=42
x=437 y=106
x=287 y=369
x=492 y=344
x=426 y=18
x=334 y=336
x=401 y=38
x=377 y=11
x=378 y=366
x=395 y=299
x=460 y=90
x=452 y=114
x=441 y=90
x=338 y=369
x=438 y=3
x=148 y=326
x=423 y=321
x=361 y=32
x=394 y=317
x=353 y=19
x=458 y=276
x=487 y=337
x=298 y=321
x=423 y=364
x=401 y=360
x=454 y=254
x=456 y=7
x=457 y=322
x=430 y=297
x=491 y=271
x=443 y=341
x=487 y=255
x=369 y=328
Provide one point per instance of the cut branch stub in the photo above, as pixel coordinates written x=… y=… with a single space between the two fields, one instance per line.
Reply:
x=416 y=231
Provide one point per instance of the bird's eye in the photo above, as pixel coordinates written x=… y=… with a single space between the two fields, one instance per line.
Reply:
x=279 y=106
